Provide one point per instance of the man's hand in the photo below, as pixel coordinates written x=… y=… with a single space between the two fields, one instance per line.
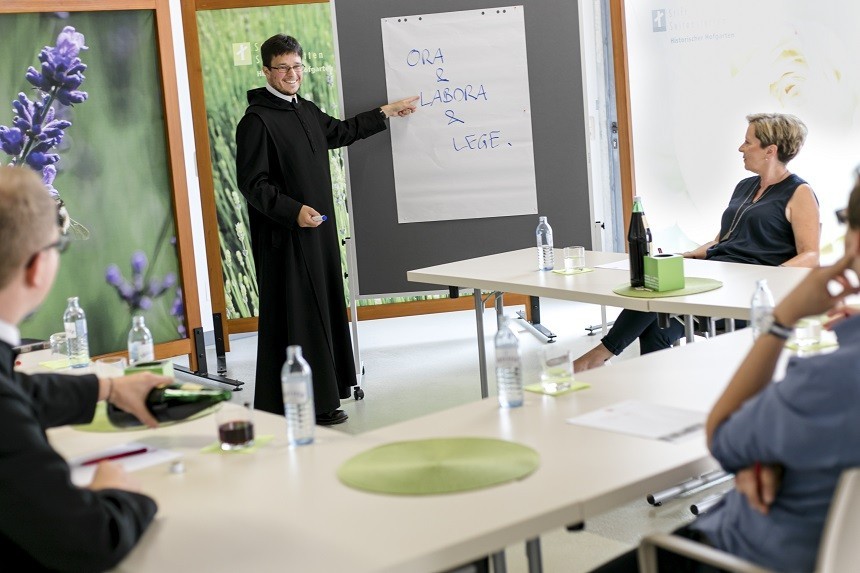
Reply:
x=111 y=475
x=129 y=393
x=400 y=108
x=813 y=295
x=306 y=217
x=759 y=484
x=838 y=314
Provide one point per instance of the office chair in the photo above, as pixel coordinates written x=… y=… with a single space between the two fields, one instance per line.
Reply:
x=838 y=552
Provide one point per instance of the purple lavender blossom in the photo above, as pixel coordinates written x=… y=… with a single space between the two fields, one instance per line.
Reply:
x=177 y=310
x=37 y=129
x=62 y=70
x=137 y=292
x=49 y=172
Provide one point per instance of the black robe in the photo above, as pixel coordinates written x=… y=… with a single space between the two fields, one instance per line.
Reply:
x=46 y=522
x=282 y=163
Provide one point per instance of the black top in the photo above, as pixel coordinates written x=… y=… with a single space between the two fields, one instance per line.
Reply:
x=46 y=522
x=758 y=233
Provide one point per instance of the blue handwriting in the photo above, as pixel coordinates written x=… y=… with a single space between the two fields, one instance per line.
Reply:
x=474 y=141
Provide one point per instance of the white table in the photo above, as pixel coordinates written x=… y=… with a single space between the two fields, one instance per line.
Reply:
x=284 y=509
x=515 y=271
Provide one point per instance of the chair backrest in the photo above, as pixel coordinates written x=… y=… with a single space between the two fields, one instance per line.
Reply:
x=839 y=550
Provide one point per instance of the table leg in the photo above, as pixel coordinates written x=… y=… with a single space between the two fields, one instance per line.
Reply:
x=482 y=351
x=499 y=564
x=689 y=329
x=730 y=325
x=533 y=554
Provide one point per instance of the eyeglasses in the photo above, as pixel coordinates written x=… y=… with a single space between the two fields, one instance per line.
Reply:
x=842 y=215
x=298 y=68
x=61 y=244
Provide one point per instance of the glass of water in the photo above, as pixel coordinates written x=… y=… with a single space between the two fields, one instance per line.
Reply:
x=574 y=258
x=556 y=368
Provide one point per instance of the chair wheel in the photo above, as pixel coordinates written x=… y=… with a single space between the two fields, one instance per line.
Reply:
x=358 y=393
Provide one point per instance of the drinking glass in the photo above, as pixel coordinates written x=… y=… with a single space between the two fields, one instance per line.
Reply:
x=235 y=425
x=556 y=368
x=110 y=366
x=807 y=331
x=574 y=258
x=59 y=346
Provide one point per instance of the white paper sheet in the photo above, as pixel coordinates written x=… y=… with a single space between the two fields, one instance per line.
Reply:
x=468 y=151
x=623 y=265
x=82 y=475
x=646 y=420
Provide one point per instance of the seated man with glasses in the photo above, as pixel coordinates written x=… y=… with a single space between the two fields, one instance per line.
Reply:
x=46 y=522
x=283 y=170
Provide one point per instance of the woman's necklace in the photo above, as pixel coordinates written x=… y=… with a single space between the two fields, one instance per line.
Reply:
x=745 y=206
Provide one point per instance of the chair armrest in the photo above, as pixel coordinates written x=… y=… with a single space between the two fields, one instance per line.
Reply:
x=692 y=549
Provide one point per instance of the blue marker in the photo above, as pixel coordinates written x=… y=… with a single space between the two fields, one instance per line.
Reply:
x=319 y=218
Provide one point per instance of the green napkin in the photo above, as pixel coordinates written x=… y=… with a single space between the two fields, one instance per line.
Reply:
x=574 y=386
x=573 y=271
x=259 y=442
x=692 y=285
x=435 y=466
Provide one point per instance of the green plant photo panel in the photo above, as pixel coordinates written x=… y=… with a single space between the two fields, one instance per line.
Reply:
x=230 y=57
x=112 y=171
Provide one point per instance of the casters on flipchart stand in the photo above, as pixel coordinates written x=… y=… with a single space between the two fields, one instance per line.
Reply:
x=357 y=390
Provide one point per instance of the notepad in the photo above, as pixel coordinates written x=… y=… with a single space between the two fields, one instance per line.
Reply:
x=646 y=420
x=82 y=475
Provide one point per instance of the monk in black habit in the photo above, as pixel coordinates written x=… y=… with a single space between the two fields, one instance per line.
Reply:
x=282 y=169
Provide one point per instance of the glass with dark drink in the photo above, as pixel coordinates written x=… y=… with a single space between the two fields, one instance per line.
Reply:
x=235 y=426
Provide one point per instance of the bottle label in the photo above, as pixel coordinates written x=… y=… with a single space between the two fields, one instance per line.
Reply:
x=507 y=358
x=141 y=352
x=71 y=331
x=295 y=392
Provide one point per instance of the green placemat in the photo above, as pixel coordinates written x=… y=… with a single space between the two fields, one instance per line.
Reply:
x=259 y=442
x=792 y=345
x=692 y=285
x=434 y=466
x=574 y=386
x=101 y=423
x=58 y=364
x=572 y=271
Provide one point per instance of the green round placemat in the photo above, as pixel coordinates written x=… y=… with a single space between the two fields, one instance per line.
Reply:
x=441 y=465
x=100 y=422
x=692 y=285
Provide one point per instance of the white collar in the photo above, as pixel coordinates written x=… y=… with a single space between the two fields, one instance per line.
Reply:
x=10 y=334
x=275 y=92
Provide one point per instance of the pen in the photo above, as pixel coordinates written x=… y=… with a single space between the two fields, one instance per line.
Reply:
x=319 y=218
x=115 y=456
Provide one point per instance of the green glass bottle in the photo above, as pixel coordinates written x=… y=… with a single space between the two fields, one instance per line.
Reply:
x=171 y=403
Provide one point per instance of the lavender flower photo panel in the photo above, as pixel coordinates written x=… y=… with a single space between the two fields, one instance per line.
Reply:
x=86 y=112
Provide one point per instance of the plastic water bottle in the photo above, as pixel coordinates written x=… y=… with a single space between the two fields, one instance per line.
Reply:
x=297 y=388
x=75 y=324
x=140 y=345
x=509 y=368
x=544 y=245
x=761 y=306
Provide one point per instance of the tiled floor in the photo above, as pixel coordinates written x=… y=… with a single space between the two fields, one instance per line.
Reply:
x=421 y=364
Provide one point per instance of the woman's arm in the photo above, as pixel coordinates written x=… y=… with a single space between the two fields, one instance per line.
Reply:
x=701 y=251
x=802 y=213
